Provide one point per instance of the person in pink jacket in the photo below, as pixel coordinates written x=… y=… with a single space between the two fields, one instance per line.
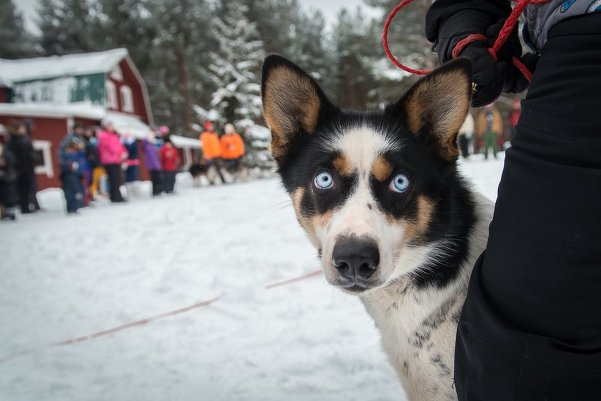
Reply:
x=112 y=153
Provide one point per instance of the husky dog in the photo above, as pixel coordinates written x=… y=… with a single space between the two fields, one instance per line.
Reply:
x=380 y=197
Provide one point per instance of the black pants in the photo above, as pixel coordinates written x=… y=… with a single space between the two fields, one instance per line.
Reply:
x=113 y=172
x=531 y=325
x=33 y=193
x=169 y=180
x=464 y=145
x=156 y=176
x=23 y=184
x=7 y=194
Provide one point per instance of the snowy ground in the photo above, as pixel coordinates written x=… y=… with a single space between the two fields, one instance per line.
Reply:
x=63 y=277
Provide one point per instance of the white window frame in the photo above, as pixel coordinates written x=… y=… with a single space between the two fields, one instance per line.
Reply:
x=46 y=148
x=127 y=99
x=111 y=95
x=116 y=73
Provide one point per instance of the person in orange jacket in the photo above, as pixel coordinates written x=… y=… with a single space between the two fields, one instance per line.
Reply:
x=232 y=148
x=211 y=152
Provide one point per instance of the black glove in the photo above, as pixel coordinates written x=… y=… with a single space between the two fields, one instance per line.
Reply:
x=449 y=21
x=516 y=81
x=489 y=76
x=492 y=78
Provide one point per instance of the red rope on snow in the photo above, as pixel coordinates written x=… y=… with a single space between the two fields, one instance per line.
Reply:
x=142 y=322
x=293 y=280
x=136 y=323
x=504 y=34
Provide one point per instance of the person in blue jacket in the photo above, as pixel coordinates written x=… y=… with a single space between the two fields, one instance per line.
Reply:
x=73 y=166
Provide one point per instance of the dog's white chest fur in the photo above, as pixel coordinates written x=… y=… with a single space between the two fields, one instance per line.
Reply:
x=418 y=326
x=418 y=337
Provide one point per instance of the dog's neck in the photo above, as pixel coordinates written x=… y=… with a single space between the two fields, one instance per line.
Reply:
x=418 y=324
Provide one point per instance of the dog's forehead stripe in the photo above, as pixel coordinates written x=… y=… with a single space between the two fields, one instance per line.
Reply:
x=381 y=169
x=343 y=165
x=360 y=147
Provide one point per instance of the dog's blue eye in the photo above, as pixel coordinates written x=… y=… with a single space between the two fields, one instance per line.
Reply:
x=323 y=180
x=400 y=183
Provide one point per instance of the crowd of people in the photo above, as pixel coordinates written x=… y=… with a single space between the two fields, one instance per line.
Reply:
x=489 y=131
x=96 y=162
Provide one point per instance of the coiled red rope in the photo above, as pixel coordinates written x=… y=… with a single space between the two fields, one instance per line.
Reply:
x=504 y=34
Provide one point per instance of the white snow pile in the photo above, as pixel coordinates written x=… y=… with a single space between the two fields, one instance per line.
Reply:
x=64 y=277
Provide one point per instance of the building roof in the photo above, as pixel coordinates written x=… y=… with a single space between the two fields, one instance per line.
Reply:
x=81 y=110
x=4 y=82
x=58 y=66
x=129 y=125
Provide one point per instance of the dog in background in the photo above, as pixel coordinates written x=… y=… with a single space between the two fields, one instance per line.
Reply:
x=380 y=198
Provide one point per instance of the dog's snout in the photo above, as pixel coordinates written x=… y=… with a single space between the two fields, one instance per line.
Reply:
x=356 y=258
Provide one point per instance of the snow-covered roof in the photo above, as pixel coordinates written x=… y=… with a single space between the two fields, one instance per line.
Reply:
x=185 y=142
x=5 y=82
x=81 y=110
x=126 y=124
x=58 y=66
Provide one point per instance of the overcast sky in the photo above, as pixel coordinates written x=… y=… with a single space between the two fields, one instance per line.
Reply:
x=329 y=8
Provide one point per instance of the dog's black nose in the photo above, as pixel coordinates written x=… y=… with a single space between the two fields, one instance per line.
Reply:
x=356 y=258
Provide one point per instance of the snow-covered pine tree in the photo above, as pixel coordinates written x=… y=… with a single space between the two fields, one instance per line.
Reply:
x=15 y=42
x=234 y=68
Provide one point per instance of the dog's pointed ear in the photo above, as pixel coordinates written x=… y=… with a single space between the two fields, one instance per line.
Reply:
x=292 y=103
x=438 y=104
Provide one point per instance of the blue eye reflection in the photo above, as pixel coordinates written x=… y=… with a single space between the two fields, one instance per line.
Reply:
x=323 y=180
x=400 y=183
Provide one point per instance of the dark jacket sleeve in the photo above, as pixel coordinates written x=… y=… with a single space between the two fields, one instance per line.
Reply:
x=449 y=21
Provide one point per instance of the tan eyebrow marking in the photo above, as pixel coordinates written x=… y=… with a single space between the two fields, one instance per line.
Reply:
x=381 y=169
x=343 y=165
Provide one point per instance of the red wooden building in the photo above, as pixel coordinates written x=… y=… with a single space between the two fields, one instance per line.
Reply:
x=56 y=92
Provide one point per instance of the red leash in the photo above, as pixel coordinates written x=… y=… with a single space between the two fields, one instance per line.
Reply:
x=504 y=34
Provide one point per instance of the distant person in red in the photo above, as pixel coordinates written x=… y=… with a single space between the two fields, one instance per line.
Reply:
x=169 y=163
x=514 y=116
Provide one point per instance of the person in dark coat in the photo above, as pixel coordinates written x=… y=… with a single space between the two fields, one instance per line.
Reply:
x=22 y=149
x=530 y=328
x=33 y=189
x=8 y=177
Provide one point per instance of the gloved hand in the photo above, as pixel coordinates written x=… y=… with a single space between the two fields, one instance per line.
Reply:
x=489 y=76
x=492 y=78
x=516 y=82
